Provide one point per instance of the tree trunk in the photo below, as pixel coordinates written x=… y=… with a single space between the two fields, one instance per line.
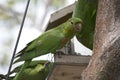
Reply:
x=105 y=62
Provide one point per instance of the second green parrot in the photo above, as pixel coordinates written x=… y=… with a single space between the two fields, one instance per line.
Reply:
x=86 y=10
x=37 y=70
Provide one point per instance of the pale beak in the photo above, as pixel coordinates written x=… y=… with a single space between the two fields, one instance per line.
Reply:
x=78 y=27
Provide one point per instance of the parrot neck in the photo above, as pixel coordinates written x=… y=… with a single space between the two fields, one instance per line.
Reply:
x=69 y=33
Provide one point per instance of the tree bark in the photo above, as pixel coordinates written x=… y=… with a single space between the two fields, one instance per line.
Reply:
x=105 y=62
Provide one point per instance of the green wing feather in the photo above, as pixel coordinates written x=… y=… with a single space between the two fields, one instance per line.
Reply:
x=42 y=45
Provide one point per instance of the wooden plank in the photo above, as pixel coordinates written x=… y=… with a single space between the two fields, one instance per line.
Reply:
x=67 y=72
x=72 y=59
x=68 y=67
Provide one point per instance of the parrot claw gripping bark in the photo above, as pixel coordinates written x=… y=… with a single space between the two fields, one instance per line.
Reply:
x=49 y=41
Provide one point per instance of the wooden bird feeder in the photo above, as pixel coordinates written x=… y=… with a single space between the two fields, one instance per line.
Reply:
x=69 y=66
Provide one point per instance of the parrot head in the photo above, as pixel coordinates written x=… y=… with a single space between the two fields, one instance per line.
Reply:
x=76 y=23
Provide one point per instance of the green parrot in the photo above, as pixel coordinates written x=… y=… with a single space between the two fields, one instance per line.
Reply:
x=86 y=11
x=49 y=41
x=37 y=70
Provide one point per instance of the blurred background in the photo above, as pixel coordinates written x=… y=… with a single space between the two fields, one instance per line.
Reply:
x=11 y=14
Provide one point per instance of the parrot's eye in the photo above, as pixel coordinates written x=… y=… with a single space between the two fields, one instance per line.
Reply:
x=71 y=22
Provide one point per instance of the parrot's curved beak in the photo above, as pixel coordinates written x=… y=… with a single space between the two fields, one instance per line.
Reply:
x=78 y=27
